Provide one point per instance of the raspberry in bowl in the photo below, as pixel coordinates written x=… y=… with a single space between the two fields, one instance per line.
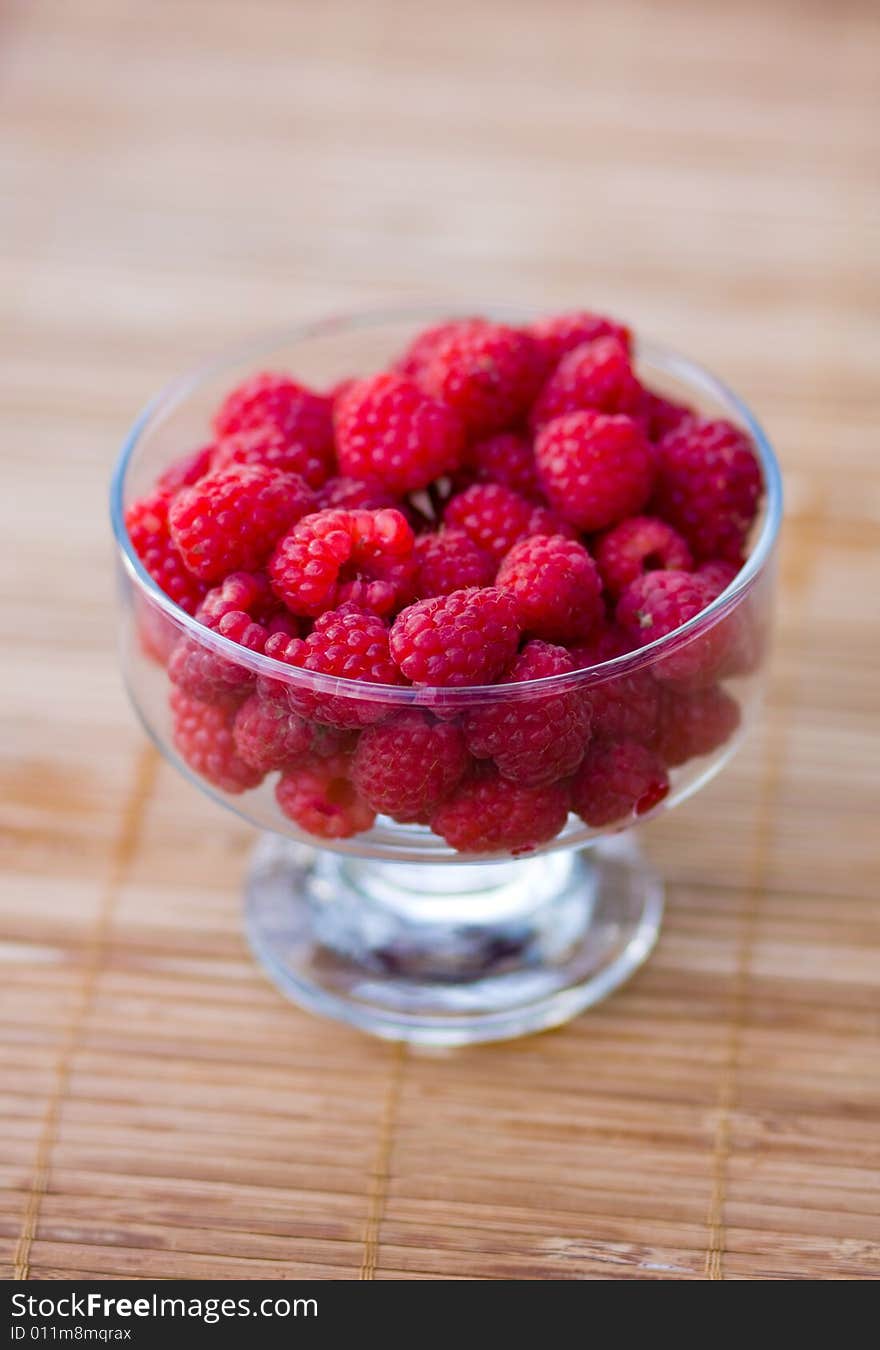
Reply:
x=444 y=607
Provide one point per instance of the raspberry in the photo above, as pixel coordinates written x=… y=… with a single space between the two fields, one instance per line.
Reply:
x=488 y=373
x=336 y=556
x=539 y=739
x=207 y=675
x=489 y=814
x=708 y=487
x=660 y=415
x=695 y=723
x=231 y=610
x=507 y=459
x=231 y=520
x=319 y=797
x=240 y=591
x=718 y=573
x=596 y=375
x=269 y=736
x=492 y=515
x=555 y=585
x=147 y=523
x=406 y=767
x=658 y=603
x=449 y=560
x=463 y=638
x=183 y=472
x=561 y=333
x=495 y=517
x=302 y=417
x=625 y=707
x=595 y=468
x=544 y=520
x=420 y=351
x=349 y=644
x=202 y=732
x=617 y=780
x=387 y=429
x=604 y=644
x=354 y=494
x=269 y=447
x=638 y=545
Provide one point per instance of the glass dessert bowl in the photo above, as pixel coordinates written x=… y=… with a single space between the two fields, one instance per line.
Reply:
x=440 y=863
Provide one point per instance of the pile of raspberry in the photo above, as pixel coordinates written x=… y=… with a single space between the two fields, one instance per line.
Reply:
x=501 y=506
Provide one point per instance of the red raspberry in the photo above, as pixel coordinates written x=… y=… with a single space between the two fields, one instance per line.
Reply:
x=539 y=739
x=625 y=707
x=658 y=603
x=561 y=333
x=489 y=814
x=387 y=429
x=269 y=736
x=449 y=560
x=404 y=768
x=597 y=375
x=234 y=610
x=336 y=556
x=488 y=373
x=506 y=458
x=347 y=643
x=595 y=469
x=544 y=520
x=230 y=521
x=319 y=797
x=718 y=573
x=745 y=628
x=604 y=644
x=205 y=674
x=354 y=494
x=247 y=591
x=420 y=351
x=183 y=472
x=464 y=638
x=617 y=780
x=556 y=587
x=202 y=733
x=660 y=415
x=269 y=447
x=708 y=487
x=303 y=417
x=147 y=523
x=495 y=517
x=492 y=515
x=638 y=545
x=695 y=723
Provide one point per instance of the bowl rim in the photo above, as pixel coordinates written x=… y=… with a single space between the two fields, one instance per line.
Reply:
x=663 y=359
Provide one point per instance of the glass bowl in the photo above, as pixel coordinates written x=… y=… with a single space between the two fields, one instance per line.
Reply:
x=391 y=929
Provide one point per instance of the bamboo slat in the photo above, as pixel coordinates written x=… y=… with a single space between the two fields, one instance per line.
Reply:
x=177 y=177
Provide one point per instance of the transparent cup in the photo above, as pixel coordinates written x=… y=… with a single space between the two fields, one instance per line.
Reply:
x=391 y=928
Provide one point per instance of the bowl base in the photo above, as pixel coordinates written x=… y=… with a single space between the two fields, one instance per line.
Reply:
x=451 y=955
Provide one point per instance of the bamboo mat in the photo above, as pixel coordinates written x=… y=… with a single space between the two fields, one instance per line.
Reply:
x=175 y=177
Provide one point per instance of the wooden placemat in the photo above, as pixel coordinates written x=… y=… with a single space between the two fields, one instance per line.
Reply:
x=174 y=177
